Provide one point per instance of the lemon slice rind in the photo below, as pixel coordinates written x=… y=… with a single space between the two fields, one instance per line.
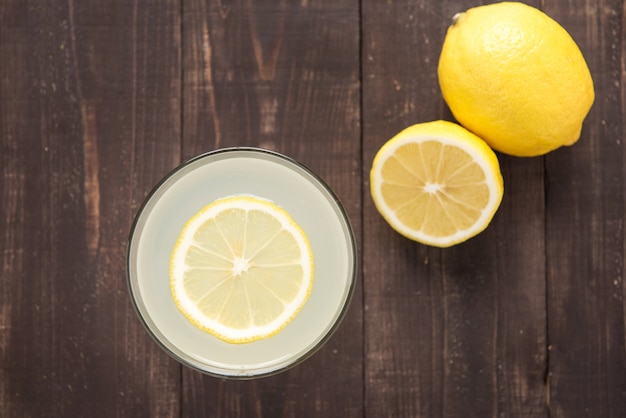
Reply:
x=178 y=267
x=447 y=134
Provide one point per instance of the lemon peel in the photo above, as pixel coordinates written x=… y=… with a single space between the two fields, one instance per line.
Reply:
x=516 y=78
x=241 y=269
x=436 y=183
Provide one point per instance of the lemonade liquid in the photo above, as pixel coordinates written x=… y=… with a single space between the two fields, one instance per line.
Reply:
x=241 y=171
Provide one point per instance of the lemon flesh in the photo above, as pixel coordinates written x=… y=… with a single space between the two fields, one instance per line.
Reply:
x=516 y=78
x=436 y=183
x=241 y=269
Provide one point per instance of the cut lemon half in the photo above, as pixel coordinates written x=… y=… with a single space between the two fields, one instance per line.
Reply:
x=241 y=269
x=436 y=183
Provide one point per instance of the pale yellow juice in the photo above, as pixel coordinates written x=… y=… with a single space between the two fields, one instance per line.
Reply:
x=245 y=171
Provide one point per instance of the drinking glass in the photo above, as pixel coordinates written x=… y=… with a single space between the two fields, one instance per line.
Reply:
x=197 y=183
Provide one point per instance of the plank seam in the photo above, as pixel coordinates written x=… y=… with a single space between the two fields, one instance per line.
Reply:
x=364 y=192
x=546 y=374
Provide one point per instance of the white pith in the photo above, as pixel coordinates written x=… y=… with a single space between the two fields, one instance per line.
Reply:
x=240 y=266
x=432 y=188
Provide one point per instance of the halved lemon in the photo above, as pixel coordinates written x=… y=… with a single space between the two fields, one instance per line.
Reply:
x=436 y=183
x=241 y=269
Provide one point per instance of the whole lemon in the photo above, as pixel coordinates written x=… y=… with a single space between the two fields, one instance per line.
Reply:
x=516 y=78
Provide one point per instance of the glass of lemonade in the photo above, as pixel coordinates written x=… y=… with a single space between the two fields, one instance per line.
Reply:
x=197 y=183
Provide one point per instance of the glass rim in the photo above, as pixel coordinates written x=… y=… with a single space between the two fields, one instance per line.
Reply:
x=160 y=338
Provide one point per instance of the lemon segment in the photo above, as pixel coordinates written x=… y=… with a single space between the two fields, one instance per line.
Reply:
x=241 y=269
x=516 y=78
x=436 y=183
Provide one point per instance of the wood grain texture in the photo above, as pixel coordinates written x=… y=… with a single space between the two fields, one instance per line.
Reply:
x=585 y=230
x=461 y=331
x=280 y=75
x=83 y=140
x=100 y=99
x=402 y=281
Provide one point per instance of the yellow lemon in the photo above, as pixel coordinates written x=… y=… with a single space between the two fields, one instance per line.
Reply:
x=436 y=183
x=241 y=269
x=516 y=78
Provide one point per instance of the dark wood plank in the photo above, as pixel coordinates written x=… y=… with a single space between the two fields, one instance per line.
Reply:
x=284 y=76
x=520 y=332
x=461 y=331
x=99 y=99
x=90 y=120
x=585 y=234
x=402 y=280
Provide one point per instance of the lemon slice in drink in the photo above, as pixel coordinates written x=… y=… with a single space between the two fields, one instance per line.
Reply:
x=241 y=269
x=436 y=183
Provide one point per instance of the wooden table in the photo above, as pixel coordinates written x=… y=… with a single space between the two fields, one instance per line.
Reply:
x=100 y=99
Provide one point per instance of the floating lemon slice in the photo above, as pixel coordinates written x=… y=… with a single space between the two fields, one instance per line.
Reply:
x=241 y=269
x=436 y=183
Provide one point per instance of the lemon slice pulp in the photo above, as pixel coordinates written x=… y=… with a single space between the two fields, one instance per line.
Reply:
x=436 y=183
x=241 y=269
